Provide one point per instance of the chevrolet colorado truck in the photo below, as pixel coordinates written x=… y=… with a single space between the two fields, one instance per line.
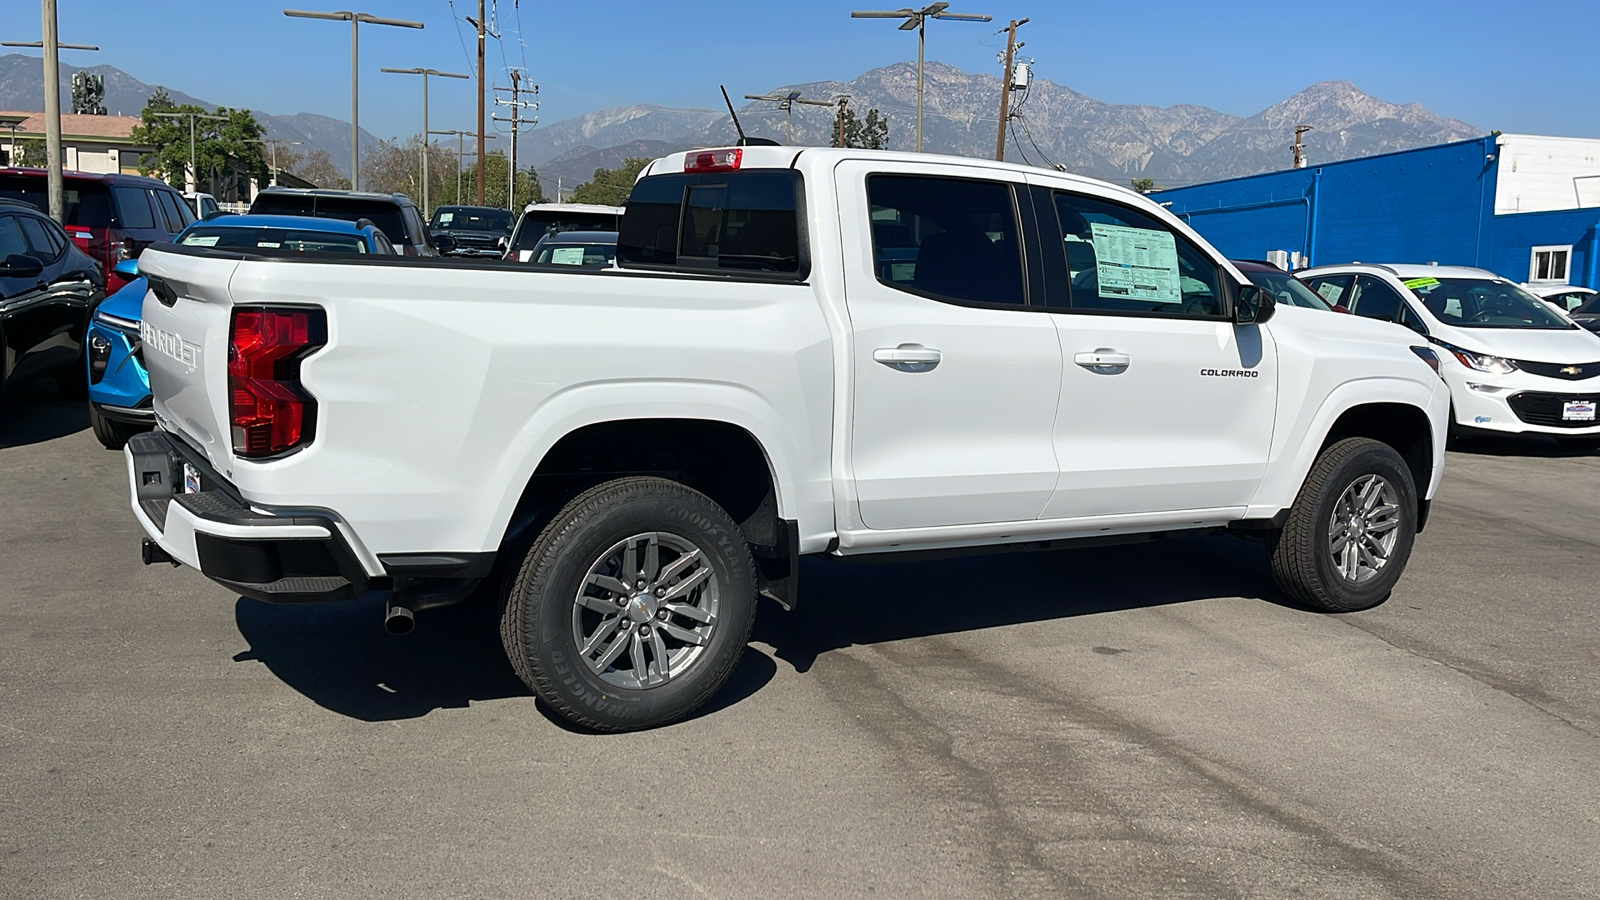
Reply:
x=800 y=351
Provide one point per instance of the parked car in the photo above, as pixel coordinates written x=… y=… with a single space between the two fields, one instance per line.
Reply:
x=540 y=219
x=204 y=206
x=111 y=217
x=1514 y=365
x=1564 y=297
x=394 y=213
x=576 y=248
x=629 y=457
x=1284 y=286
x=47 y=286
x=119 y=386
x=475 y=230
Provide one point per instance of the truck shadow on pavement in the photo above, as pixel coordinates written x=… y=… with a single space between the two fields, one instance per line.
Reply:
x=339 y=656
x=844 y=602
x=35 y=413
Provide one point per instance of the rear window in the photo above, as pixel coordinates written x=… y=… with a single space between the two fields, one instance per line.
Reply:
x=472 y=218
x=287 y=240
x=348 y=209
x=88 y=202
x=536 y=224
x=714 y=220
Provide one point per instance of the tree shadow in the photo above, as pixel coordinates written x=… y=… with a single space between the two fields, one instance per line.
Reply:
x=339 y=656
x=876 y=600
x=36 y=412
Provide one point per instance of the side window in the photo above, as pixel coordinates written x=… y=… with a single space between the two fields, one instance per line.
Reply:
x=1410 y=319
x=709 y=220
x=1122 y=260
x=133 y=207
x=170 y=215
x=184 y=217
x=951 y=239
x=416 y=230
x=383 y=243
x=1331 y=288
x=1375 y=300
x=11 y=240
x=42 y=247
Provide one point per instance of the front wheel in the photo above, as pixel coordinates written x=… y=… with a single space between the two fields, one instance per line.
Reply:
x=1350 y=531
x=632 y=606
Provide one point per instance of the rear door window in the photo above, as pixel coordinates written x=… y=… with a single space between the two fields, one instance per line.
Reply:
x=950 y=239
x=133 y=207
x=12 y=242
x=40 y=241
x=746 y=221
x=1331 y=288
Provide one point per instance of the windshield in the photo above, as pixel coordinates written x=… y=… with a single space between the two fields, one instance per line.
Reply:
x=291 y=240
x=538 y=223
x=469 y=218
x=1288 y=290
x=1590 y=307
x=577 y=254
x=382 y=213
x=1483 y=303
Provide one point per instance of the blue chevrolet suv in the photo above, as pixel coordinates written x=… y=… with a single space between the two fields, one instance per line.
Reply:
x=119 y=388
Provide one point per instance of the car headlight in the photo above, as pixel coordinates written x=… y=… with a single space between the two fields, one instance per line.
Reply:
x=1483 y=362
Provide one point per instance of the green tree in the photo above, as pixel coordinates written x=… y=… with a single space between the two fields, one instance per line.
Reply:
x=318 y=168
x=610 y=187
x=495 y=165
x=30 y=152
x=220 y=146
x=1143 y=185
x=869 y=134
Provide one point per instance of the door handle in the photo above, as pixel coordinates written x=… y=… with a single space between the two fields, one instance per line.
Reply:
x=1103 y=358
x=908 y=358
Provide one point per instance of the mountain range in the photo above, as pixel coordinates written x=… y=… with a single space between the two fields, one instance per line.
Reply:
x=1053 y=125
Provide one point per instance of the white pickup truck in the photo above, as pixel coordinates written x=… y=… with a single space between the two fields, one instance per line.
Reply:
x=801 y=351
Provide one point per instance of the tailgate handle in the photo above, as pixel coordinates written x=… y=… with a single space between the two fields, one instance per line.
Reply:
x=163 y=291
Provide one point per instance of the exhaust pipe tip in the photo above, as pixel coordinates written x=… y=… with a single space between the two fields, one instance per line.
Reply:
x=399 y=620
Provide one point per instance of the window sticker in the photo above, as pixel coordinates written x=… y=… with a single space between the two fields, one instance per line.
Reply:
x=446 y=218
x=201 y=240
x=269 y=245
x=1414 y=283
x=1136 y=263
x=567 y=256
x=1329 y=291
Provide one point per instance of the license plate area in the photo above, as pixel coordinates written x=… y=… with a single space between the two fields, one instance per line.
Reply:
x=1577 y=411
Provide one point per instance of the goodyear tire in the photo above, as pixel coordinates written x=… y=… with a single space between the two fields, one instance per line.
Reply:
x=1351 y=529
x=632 y=607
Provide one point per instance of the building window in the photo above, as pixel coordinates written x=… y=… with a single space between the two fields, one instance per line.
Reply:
x=1549 y=264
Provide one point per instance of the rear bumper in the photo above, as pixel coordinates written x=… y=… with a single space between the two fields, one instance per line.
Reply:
x=289 y=558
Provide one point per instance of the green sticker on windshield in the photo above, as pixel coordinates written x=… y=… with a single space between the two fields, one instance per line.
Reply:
x=1415 y=283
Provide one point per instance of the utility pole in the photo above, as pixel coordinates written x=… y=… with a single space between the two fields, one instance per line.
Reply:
x=194 y=167
x=479 y=24
x=274 y=143
x=425 y=145
x=917 y=20
x=355 y=19
x=516 y=105
x=52 y=47
x=838 y=140
x=1006 y=87
x=1299 y=148
x=786 y=103
x=460 y=155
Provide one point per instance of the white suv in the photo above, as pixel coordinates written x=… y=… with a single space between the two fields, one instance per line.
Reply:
x=1513 y=364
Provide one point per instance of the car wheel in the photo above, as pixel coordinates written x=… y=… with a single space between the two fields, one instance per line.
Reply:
x=632 y=606
x=1579 y=444
x=1350 y=531
x=111 y=433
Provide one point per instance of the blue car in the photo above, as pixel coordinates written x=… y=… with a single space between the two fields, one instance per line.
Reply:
x=119 y=388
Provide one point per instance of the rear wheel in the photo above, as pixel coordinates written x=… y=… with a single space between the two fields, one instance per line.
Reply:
x=111 y=433
x=632 y=606
x=1579 y=444
x=1350 y=531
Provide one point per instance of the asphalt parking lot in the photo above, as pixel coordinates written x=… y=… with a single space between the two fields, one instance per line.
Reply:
x=1139 y=721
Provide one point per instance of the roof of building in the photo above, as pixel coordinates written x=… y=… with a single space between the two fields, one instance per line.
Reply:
x=116 y=129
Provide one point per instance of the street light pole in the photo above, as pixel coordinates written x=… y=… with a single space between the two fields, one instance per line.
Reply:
x=194 y=166
x=51 y=45
x=917 y=19
x=274 y=143
x=424 y=73
x=460 y=151
x=355 y=19
x=786 y=103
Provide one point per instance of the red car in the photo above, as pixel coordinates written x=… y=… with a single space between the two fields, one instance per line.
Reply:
x=111 y=217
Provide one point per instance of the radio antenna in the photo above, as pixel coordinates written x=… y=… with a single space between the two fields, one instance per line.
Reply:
x=733 y=115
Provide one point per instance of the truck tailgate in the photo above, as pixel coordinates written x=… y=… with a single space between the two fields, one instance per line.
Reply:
x=184 y=328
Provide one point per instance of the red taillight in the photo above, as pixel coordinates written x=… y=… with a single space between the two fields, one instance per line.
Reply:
x=270 y=412
x=725 y=160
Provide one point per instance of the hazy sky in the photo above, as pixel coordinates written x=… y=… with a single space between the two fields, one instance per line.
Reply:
x=1507 y=66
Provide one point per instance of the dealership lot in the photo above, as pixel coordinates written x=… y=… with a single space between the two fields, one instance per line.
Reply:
x=1133 y=721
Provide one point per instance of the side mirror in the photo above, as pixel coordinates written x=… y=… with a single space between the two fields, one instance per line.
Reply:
x=127 y=268
x=1252 y=305
x=444 y=242
x=21 y=265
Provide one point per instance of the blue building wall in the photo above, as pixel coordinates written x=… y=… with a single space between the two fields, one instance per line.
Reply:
x=1433 y=204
